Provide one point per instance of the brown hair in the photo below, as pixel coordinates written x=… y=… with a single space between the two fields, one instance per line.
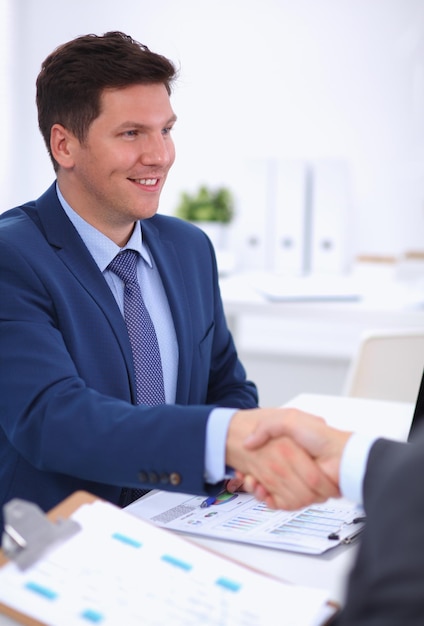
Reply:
x=73 y=77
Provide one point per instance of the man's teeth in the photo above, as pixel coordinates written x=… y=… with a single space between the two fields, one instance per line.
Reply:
x=147 y=181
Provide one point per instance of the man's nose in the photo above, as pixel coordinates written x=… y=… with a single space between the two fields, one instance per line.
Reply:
x=157 y=151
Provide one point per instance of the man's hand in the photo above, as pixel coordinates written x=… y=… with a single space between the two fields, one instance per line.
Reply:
x=287 y=475
x=323 y=443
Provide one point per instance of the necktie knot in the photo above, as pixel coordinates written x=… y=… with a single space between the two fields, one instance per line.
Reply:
x=124 y=265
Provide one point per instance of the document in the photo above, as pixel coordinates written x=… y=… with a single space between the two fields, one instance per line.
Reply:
x=240 y=517
x=309 y=288
x=120 y=570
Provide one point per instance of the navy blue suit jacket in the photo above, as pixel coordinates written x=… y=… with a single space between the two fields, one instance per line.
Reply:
x=67 y=418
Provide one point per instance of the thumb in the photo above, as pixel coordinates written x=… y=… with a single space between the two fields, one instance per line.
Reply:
x=257 y=439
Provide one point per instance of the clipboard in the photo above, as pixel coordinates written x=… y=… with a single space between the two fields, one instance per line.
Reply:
x=62 y=511
x=230 y=577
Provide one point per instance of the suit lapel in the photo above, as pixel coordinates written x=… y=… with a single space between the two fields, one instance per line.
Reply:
x=166 y=258
x=61 y=234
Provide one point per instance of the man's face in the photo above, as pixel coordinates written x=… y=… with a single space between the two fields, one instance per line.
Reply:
x=118 y=173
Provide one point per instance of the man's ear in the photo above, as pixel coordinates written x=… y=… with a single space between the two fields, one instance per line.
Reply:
x=62 y=145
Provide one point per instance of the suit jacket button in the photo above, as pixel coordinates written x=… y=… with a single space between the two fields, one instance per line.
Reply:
x=142 y=477
x=164 y=478
x=153 y=478
x=174 y=479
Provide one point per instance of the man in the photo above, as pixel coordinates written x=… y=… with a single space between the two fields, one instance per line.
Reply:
x=75 y=409
x=386 y=584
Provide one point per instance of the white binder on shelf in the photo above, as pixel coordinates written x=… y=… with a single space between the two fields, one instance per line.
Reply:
x=290 y=217
x=255 y=215
x=330 y=203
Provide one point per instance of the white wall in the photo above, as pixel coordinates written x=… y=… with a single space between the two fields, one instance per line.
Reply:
x=280 y=78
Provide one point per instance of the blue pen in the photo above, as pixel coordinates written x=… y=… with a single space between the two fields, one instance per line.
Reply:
x=208 y=502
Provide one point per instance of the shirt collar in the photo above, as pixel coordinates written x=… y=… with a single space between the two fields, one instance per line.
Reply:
x=101 y=248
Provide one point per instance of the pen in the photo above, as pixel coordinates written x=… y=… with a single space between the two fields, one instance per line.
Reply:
x=208 y=502
x=356 y=520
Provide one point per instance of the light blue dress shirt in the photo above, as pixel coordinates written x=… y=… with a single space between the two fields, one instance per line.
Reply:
x=103 y=250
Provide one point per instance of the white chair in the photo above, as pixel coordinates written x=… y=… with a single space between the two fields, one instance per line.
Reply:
x=388 y=365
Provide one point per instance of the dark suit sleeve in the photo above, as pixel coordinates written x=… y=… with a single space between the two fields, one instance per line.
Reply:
x=386 y=587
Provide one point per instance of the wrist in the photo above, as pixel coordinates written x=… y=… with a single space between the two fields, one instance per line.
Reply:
x=241 y=425
x=332 y=459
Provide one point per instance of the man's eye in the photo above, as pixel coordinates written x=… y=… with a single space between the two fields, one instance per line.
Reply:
x=130 y=133
x=167 y=131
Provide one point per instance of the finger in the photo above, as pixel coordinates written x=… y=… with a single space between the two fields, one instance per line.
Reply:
x=293 y=498
x=258 y=438
x=275 y=425
x=271 y=503
x=291 y=477
x=261 y=493
x=249 y=483
x=309 y=472
x=234 y=484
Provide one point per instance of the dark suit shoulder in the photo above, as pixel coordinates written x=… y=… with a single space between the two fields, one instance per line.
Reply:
x=18 y=223
x=26 y=215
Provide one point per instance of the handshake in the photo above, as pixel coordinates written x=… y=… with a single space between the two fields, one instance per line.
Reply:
x=285 y=457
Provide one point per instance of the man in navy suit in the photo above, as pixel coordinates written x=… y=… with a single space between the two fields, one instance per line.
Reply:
x=69 y=417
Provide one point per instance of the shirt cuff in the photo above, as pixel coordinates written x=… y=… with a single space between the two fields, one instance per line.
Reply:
x=354 y=464
x=216 y=440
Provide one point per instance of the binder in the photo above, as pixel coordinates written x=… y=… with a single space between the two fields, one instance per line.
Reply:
x=275 y=221
x=330 y=215
x=256 y=224
x=118 y=569
x=291 y=217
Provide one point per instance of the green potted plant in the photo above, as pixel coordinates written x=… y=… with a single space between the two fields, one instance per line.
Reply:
x=207 y=205
x=211 y=210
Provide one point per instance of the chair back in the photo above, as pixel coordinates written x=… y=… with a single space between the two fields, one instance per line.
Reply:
x=388 y=365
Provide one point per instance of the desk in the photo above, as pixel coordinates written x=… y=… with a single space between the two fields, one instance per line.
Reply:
x=325 y=328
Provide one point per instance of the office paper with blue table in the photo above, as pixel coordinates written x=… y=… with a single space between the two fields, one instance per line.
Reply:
x=240 y=517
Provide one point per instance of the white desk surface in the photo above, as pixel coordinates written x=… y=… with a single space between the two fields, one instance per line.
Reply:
x=328 y=571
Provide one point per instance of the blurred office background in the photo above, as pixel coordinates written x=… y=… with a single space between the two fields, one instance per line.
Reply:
x=307 y=103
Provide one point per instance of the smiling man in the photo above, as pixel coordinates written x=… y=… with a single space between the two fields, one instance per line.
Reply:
x=115 y=177
x=118 y=371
